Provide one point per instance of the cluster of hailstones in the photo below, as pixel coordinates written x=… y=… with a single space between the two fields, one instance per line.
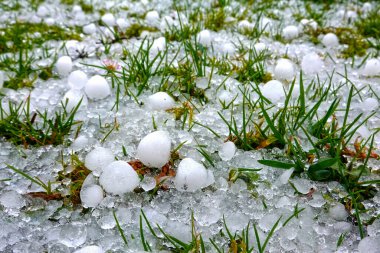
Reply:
x=118 y=177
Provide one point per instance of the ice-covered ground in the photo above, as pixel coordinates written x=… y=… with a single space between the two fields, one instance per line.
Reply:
x=155 y=134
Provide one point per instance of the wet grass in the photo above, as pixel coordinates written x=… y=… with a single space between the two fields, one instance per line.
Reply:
x=21 y=126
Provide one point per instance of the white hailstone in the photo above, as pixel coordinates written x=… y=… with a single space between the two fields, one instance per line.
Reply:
x=228 y=48
x=160 y=101
x=273 y=90
x=227 y=151
x=91 y=195
x=77 y=8
x=154 y=149
x=284 y=70
x=372 y=67
x=367 y=7
x=49 y=21
x=369 y=244
x=98 y=159
x=152 y=18
x=311 y=64
x=370 y=104
x=72 y=98
x=363 y=132
x=77 y=79
x=330 y=40
x=260 y=47
x=89 y=29
x=118 y=178
x=42 y=11
x=64 y=65
x=97 y=87
x=122 y=23
x=244 y=25
x=158 y=45
x=204 y=38
x=290 y=32
x=338 y=212
x=108 y=19
x=90 y=249
x=191 y=176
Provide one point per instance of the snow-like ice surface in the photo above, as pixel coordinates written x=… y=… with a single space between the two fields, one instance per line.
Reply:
x=143 y=129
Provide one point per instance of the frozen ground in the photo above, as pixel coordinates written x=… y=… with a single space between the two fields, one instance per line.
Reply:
x=192 y=121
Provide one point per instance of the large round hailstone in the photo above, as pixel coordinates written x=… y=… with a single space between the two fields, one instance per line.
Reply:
x=98 y=159
x=64 y=65
x=227 y=151
x=152 y=17
x=372 y=67
x=191 y=176
x=91 y=195
x=154 y=149
x=89 y=29
x=77 y=79
x=90 y=249
x=284 y=70
x=108 y=19
x=204 y=38
x=330 y=40
x=97 y=87
x=72 y=98
x=160 y=101
x=118 y=178
x=311 y=64
x=290 y=32
x=273 y=90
